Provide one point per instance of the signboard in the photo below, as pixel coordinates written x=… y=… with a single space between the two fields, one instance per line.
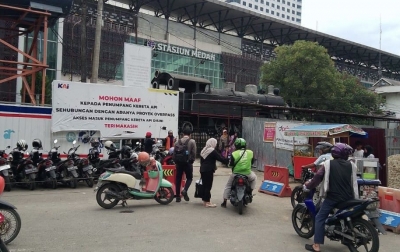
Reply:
x=181 y=50
x=269 y=132
x=115 y=111
x=286 y=142
x=137 y=65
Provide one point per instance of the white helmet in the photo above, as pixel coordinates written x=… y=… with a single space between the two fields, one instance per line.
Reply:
x=22 y=145
x=134 y=155
x=109 y=145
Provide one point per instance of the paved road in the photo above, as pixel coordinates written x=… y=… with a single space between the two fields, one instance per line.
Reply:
x=71 y=220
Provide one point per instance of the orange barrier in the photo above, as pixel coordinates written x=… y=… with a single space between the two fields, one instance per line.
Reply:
x=299 y=161
x=170 y=175
x=276 y=181
x=389 y=199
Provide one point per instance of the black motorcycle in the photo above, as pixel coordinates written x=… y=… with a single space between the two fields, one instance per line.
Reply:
x=24 y=172
x=99 y=165
x=66 y=170
x=46 y=171
x=5 y=169
x=241 y=193
x=84 y=167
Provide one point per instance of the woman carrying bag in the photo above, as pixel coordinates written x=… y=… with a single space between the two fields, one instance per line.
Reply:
x=208 y=159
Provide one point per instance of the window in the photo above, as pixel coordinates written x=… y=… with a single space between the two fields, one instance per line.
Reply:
x=298 y=20
x=261 y=9
x=250 y=5
x=272 y=12
x=262 y=1
x=256 y=1
x=283 y=15
x=273 y=5
x=293 y=12
x=288 y=3
x=267 y=10
x=278 y=7
x=256 y=7
x=299 y=1
x=283 y=8
x=279 y=1
x=267 y=3
x=293 y=5
x=298 y=13
x=288 y=18
x=288 y=10
x=292 y=18
x=244 y=3
x=283 y=1
x=278 y=14
x=298 y=6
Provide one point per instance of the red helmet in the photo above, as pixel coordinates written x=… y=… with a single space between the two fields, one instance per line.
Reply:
x=148 y=134
x=144 y=158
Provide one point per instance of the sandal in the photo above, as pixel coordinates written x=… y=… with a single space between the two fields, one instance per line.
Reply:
x=210 y=205
x=310 y=247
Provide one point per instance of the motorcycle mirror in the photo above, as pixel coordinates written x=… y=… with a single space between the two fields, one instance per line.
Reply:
x=74 y=142
x=55 y=141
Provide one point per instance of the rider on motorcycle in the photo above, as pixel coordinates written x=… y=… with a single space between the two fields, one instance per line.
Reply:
x=147 y=163
x=339 y=178
x=324 y=149
x=241 y=162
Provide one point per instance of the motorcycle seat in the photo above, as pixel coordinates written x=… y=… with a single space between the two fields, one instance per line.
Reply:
x=115 y=170
x=136 y=175
x=350 y=203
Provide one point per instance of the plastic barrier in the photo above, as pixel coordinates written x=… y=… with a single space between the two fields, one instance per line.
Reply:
x=276 y=181
x=170 y=175
x=298 y=162
x=389 y=199
x=390 y=221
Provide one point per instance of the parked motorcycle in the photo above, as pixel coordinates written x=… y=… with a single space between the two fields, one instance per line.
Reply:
x=66 y=170
x=10 y=221
x=241 y=193
x=84 y=168
x=46 y=171
x=345 y=223
x=100 y=165
x=5 y=169
x=129 y=159
x=120 y=185
x=157 y=153
x=24 y=172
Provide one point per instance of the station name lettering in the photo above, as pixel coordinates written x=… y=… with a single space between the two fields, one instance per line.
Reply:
x=185 y=51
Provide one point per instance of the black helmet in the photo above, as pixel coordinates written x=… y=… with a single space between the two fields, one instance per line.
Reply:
x=126 y=151
x=94 y=143
x=324 y=146
x=37 y=143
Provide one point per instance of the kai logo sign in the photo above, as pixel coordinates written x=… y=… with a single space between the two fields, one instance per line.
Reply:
x=63 y=86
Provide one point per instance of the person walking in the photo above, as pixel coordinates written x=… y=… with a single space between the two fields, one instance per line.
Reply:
x=184 y=157
x=208 y=166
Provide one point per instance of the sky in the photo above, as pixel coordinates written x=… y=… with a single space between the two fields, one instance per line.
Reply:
x=356 y=20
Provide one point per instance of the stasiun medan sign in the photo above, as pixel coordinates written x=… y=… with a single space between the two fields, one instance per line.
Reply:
x=184 y=51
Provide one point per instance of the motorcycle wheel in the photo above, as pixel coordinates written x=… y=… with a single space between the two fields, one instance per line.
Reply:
x=369 y=230
x=11 y=219
x=89 y=181
x=53 y=183
x=32 y=184
x=73 y=183
x=297 y=196
x=165 y=195
x=8 y=184
x=303 y=215
x=102 y=203
x=240 y=206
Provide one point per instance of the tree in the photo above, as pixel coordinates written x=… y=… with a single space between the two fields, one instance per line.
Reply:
x=307 y=77
x=38 y=88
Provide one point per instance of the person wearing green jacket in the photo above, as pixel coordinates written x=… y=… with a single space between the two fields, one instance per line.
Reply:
x=241 y=162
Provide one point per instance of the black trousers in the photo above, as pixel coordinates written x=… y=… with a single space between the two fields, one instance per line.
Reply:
x=207 y=180
x=180 y=169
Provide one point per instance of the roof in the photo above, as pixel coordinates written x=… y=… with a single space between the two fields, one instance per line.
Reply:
x=189 y=78
x=385 y=85
x=227 y=18
x=323 y=130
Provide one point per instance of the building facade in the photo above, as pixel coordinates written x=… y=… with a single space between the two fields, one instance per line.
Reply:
x=285 y=10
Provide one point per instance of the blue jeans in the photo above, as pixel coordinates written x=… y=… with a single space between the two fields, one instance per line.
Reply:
x=320 y=219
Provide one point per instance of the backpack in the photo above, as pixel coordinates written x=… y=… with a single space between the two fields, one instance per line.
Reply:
x=181 y=153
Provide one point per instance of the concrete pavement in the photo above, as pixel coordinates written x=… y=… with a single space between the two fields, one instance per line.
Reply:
x=71 y=220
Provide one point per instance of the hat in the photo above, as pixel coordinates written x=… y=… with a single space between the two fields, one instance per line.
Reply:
x=148 y=134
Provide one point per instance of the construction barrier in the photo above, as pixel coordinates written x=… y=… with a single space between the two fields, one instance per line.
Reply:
x=276 y=181
x=298 y=162
x=170 y=175
x=390 y=221
x=389 y=199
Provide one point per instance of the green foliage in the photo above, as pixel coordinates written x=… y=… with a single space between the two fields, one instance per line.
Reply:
x=307 y=78
x=38 y=88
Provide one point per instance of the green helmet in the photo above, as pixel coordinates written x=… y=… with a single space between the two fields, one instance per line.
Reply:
x=240 y=143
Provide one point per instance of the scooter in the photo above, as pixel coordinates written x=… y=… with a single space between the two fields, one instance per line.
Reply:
x=5 y=168
x=241 y=194
x=116 y=185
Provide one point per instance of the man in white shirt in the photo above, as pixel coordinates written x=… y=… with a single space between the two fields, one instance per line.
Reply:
x=324 y=149
x=358 y=152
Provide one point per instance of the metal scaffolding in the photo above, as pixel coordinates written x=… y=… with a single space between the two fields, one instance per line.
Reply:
x=34 y=21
